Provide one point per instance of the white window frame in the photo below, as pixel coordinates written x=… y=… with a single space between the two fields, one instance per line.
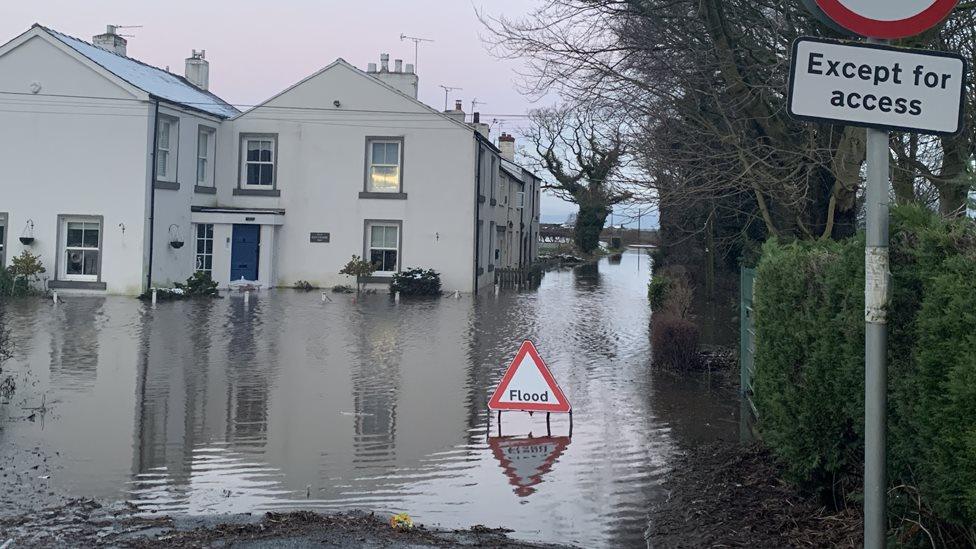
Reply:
x=370 y=164
x=247 y=138
x=197 y=255
x=208 y=158
x=368 y=245
x=520 y=200
x=63 y=248
x=169 y=149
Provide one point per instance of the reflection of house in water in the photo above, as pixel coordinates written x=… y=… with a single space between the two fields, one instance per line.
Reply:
x=200 y=380
x=74 y=344
x=375 y=380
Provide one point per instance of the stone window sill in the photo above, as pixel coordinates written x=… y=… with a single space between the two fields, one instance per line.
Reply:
x=167 y=185
x=204 y=189
x=257 y=192
x=387 y=196
x=75 y=285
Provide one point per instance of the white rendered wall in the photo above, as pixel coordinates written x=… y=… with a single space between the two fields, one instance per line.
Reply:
x=73 y=156
x=321 y=171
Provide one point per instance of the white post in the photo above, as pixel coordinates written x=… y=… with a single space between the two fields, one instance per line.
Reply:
x=154 y=296
x=247 y=296
x=396 y=297
x=54 y=296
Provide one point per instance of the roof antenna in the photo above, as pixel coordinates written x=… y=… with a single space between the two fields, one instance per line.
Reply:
x=475 y=103
x=416 y=48
x=117 y=27
x=447 y=90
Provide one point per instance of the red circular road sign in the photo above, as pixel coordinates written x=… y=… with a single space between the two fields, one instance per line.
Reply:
x=887 y=19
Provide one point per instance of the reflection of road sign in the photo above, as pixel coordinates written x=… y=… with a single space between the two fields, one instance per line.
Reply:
x=526 y=460
x=887 y=18
x=877 y=86
x=528 y=385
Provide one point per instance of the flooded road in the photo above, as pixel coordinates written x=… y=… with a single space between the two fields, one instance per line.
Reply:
x=292 y=402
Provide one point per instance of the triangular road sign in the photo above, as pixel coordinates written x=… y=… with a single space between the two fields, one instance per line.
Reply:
x=528 y=385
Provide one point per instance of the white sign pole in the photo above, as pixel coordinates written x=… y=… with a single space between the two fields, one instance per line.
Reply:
x=876 y=339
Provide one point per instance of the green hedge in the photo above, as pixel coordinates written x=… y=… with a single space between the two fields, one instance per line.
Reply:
x=810 y=364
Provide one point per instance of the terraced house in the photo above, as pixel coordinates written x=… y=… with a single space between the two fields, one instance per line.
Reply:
x=124 y=176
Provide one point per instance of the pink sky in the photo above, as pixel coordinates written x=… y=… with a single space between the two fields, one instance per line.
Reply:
x=256 y=49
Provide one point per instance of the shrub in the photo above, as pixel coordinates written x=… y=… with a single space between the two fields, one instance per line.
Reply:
x=674 y=342
x=359 y=268
x=199 y=284
x=415 y=282
x=303 y=285
x=21 y=277
x=810 y=367
x=340 y=289
x=670 y=291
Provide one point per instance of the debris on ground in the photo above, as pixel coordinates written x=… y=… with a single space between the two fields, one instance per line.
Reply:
x=725 y=495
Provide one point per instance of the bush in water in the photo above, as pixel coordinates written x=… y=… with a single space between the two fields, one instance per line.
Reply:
x=674 y=342
x=416 y=282
x=810 y=369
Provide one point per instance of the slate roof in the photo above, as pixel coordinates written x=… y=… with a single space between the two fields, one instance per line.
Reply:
x=154 y=81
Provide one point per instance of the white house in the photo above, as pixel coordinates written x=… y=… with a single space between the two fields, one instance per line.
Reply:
x=122 y=175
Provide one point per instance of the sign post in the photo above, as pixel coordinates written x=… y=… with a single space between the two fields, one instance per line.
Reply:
x=882 y=89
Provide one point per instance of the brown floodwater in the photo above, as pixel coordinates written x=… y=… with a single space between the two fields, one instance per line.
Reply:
x=292 y=401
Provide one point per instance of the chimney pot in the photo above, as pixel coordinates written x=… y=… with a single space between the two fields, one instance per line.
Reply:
x=398 y=65
x=198 y=69
x=410 y=68
x=384 y=62
x=371 y=67
x=457 y=105
x=476 y=117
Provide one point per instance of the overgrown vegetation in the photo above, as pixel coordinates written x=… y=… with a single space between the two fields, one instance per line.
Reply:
x=416 y=282
x=303 y=285
x=21 y=277
x=810 y=370
x=360 y=269
x=7 y=384
x=675 y=337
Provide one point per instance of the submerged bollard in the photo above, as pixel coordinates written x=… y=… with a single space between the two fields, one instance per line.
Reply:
x=496 y=290
x=457 y=294
x=154 y=297
x=54 y=296
x=247 y=296
x=396 y=297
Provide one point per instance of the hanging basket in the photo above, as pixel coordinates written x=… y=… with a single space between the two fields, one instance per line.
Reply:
x=27 y=236
x=175 y=238
x=27 y=240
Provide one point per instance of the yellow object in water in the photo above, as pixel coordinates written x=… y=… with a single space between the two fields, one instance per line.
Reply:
x=401 y=521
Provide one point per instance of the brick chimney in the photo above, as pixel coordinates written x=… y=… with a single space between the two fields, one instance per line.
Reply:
x=506 y=143
x=110 y=41
x=198 y=69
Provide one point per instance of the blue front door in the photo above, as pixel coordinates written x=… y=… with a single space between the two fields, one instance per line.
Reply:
x=244 y=252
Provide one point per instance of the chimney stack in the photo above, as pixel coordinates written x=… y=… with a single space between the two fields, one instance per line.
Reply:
x=198 y=69
x=479 y=126
x=110 y=41
x=405 y=82
x=457 y=112
x=506 y=144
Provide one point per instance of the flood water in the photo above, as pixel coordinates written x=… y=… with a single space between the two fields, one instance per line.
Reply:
x=292 y=402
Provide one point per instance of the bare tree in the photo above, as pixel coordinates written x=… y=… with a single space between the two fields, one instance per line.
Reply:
x=584 y=150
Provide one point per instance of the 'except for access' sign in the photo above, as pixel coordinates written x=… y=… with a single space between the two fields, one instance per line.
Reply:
x=877 y=86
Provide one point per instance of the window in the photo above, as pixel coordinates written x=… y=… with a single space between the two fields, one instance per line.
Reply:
x=383 y=245
x=493 y=175
x=82 y=249
x=167 y=145
x=258 y=161
x=520 y=199
x=204 y=255
x=383 y=166
x=205 y=154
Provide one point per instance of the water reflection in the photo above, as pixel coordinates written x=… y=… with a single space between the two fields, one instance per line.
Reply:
x=290 y=402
